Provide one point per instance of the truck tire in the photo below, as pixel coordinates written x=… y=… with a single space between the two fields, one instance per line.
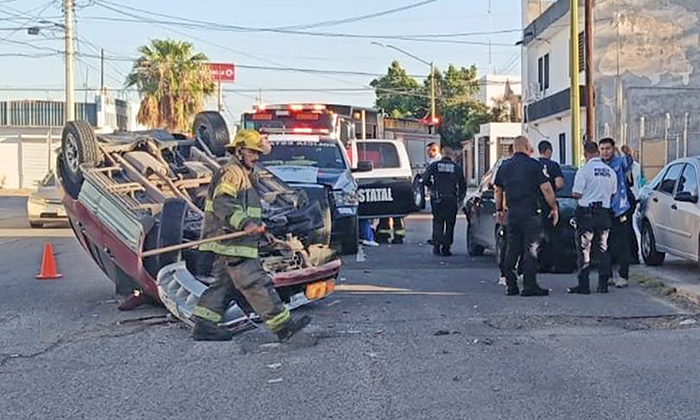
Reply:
x=78 y=147
x=211 y=128
x=418 y=193
x=349 y=244
x=168 y=232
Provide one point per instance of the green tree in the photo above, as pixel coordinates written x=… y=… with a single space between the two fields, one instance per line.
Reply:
x=396 y=93
x=173 y=81
x=401 y=96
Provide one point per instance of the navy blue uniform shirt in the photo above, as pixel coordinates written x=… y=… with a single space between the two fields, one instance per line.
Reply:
x=520 y=177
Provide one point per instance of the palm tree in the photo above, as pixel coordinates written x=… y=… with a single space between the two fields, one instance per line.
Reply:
x=173 y=81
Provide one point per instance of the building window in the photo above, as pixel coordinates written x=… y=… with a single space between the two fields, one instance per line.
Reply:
x=562 y=148
x=543 y=72
x=546 y=71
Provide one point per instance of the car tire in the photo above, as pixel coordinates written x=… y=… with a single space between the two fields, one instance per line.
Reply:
x=168 y=232
x=418 y=193
x=651 y=256
x=211 y=128
x=36 y=225
x=349 y=244
x=78 y=147
x=473 y=248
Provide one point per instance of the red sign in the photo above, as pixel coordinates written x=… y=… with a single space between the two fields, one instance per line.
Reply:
x=222 y=72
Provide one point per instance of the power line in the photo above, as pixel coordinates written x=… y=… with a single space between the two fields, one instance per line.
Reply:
x=214 y=26
x=360 y=18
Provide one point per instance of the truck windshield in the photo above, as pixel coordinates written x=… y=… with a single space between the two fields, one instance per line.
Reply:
x=319 y=155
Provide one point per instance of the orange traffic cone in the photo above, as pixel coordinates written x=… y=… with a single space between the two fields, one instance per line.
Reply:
x=48 y=265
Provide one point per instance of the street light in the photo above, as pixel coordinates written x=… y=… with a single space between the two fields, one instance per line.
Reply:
x=433 y=117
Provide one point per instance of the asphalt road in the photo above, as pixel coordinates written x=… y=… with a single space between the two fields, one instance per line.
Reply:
x=406 y=336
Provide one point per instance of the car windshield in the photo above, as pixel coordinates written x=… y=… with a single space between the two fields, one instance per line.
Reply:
x=315 y=154
x=566 y=192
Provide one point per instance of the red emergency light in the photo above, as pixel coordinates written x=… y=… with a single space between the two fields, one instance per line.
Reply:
x=262 y=116
x=306 y=117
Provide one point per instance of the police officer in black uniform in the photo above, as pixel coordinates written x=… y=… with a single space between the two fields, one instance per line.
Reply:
x=521 y=179
x=447 y=189
x=552 y=171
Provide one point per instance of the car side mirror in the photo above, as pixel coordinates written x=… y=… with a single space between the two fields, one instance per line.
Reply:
x=364 y=166
x=686 y=197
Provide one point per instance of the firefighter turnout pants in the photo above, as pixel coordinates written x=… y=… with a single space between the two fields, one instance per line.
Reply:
x=384 y=229
x=247 y=277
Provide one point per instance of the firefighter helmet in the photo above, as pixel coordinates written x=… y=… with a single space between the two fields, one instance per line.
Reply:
x=251 y=139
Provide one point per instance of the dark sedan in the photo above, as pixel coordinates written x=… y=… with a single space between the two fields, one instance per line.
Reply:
x=558 y=252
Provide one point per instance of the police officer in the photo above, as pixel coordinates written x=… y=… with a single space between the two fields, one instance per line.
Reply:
x=621 y=224
x=521 y=179
x=552 y=171
x=447 y=189
x=594 y=186
x=233 y=205
x=434 y=155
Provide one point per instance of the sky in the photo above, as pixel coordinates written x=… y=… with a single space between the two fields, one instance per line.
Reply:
x=31 y=62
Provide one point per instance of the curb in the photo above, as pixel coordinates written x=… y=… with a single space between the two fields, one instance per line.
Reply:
x=666 y=283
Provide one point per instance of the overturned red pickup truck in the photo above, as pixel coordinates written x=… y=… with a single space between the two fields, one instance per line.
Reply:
x=132 y=197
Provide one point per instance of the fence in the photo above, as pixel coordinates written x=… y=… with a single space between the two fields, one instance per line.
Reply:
x=662 y=138
x=26 y=156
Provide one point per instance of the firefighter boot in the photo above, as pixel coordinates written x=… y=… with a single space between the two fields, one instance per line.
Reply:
x=205 y=330
x=291 y=334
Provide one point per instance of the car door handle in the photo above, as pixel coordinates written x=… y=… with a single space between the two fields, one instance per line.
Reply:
x=108 y=252
x=674 y=207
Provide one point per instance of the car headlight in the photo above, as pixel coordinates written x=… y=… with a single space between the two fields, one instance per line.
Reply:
x=572 y=222
x=345 y=198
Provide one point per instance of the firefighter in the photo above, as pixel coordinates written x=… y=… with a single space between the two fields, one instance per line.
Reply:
x=233 y=205
x=447 y=189
x=388 y=226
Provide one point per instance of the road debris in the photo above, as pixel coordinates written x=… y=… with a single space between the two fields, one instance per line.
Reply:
x=686 y=322
x=275 y=381
x=274 y=366
x=335 y=302
x=439 y=333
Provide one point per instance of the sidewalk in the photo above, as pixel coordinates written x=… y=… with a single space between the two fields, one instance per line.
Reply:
x=675 y=276
x=15 y=192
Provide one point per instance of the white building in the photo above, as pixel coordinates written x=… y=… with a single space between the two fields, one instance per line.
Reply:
x=493 y=140
x=30 y=134
x=646 y=67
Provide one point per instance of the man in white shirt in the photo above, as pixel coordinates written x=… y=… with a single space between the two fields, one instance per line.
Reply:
x=434 y=154
x=594 y=186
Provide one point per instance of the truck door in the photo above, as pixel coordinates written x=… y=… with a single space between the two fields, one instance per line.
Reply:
x=387 y=190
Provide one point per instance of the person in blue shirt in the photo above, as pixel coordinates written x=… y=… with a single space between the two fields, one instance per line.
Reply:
x=619 y=234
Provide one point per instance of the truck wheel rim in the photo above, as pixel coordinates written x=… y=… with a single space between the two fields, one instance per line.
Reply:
x=71 y=151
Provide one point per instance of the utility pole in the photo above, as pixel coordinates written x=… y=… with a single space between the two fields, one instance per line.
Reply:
x=590 y=96
x=432 y=93
x=102 y=70
x=575 y=93
x=69 y=54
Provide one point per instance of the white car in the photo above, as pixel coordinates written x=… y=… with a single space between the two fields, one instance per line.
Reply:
x=44 y=205
x=669 y=214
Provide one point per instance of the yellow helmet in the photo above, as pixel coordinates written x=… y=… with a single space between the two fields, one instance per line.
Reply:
x=251 y=139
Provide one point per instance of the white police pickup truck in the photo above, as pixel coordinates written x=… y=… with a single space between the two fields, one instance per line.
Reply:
x=385 y=187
